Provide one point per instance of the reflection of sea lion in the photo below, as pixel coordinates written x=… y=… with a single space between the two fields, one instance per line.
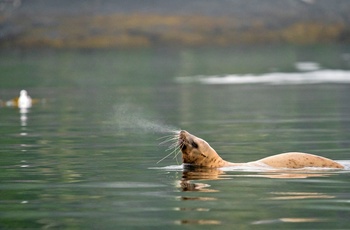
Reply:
x=197 y=152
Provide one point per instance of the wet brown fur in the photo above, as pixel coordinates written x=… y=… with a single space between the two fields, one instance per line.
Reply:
x=197 y=152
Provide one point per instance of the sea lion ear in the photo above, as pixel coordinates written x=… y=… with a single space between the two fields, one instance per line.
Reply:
x=204 y=155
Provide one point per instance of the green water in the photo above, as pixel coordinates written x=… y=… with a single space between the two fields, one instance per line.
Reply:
x=84 y=156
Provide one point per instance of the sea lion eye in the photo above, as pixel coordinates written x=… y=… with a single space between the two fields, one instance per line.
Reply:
x=194 y=144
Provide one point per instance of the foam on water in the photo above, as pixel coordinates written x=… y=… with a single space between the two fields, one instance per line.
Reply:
x=345 y=163
x=170 y=168
x=277 y=78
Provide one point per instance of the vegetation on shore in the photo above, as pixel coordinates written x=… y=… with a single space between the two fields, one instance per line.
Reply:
x=142 y=30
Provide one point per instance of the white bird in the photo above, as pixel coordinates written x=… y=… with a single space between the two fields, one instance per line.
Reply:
x=24 y=101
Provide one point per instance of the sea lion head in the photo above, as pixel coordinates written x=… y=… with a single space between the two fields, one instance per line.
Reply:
x=197 y=152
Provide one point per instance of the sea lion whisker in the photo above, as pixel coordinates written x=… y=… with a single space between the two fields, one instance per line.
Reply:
x=166 y=136
x=176 y=154
x=168 y=140
x=170 y=149
x=177 y=151
x=173 y=146
x=165 y=157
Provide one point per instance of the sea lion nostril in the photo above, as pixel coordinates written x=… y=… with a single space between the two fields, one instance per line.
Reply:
x=181 y=142
x=183 y=133
x=194 y=144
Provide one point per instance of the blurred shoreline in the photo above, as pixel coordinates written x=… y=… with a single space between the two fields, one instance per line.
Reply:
x=111 y=24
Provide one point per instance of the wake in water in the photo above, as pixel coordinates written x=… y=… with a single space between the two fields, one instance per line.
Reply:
x=312 y=77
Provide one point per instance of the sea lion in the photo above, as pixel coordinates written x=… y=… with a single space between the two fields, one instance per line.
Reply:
x=197 y=152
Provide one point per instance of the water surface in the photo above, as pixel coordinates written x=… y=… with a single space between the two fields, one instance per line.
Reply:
x=84 y=156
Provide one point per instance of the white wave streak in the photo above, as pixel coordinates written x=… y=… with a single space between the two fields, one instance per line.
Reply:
x=313 y=77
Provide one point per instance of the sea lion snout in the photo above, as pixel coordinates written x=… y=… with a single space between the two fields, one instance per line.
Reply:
x=183 y=134
x=197 y=152
x=182 y=139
